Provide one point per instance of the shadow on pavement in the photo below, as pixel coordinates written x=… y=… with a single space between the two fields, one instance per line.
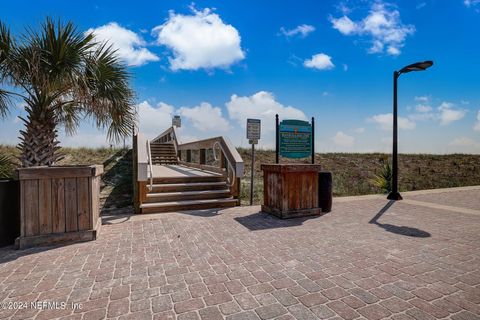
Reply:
x=403 y=230
x=263 y=221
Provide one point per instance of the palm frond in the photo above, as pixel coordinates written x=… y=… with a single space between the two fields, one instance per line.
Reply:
x=6 y=167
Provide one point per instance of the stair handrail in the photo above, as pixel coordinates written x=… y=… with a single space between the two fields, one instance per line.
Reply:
x=169 y=135
x=234 y=160
x=150 y=166
x=231 y=182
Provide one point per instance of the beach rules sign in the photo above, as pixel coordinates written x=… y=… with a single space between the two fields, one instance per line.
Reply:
x=295 y=138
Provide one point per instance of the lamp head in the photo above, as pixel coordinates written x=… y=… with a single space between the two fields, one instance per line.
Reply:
x=418 y=66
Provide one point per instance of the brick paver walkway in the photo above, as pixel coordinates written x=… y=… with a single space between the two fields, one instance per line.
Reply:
x=366 y=259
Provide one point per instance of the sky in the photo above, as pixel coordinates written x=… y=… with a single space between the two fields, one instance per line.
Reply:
x=217 y=63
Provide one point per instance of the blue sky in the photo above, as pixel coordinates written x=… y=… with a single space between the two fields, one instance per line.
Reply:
x=216 y=63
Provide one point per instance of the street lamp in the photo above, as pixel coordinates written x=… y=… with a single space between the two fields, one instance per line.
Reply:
x=418 y=66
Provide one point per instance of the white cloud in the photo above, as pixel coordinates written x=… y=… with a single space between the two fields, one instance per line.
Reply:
x=205 y=117
x=477 y=123
x=423 y=108
x=199 y=41
x=471 y=3
x=421 y=5
x=345 y=67
x=153 y=120
x=382 y=26
x=448 y=114
x=301 y=30
x=385 y=121
x=319 y=61
x=343 y=139
x=359 y=130
x=345 y=25
x=262 y=105
x=464 y=145
x=422 y=99
x=129 y=45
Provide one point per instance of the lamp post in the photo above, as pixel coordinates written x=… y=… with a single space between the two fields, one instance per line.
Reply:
x=418 y=66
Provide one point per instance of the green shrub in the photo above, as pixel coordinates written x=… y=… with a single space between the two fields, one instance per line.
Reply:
x=383 y=179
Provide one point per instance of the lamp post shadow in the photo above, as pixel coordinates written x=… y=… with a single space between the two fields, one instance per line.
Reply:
x=402 y=230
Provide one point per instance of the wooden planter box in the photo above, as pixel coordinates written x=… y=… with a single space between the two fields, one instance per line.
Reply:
x=59 y=204
x=291 y=190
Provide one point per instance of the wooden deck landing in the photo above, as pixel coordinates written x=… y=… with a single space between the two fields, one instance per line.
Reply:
x=178 y=171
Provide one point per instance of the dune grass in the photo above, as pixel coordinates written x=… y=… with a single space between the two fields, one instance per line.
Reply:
x=353 y=173
x=116 y=187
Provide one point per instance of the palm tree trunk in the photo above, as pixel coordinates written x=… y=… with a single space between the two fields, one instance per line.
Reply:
x=39 y=144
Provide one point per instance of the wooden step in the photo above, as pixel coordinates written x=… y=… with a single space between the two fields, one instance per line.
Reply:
x=187 y=195
x=166 y=156
x=186 y=186
x=206 y=178
x=164 y=162
x=167 y=148
x=172 y=206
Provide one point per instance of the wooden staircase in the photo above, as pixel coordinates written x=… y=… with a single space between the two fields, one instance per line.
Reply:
x=187 y=193
x=163 y=153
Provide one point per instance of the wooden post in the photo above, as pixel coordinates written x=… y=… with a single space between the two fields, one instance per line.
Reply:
x=223 y=160
x=251 y=173
x=277 y=141
x=313 y=140
x=136 y=199
x=203 y=156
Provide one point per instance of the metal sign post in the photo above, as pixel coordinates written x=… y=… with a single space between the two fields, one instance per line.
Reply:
x=253 y=135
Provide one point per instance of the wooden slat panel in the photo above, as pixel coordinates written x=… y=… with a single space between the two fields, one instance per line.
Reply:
x=31 y=207
x=71 y=223
x=45 y=205
x=58 y=205
x=83 y=204
x=59 y=172
x=95 y=200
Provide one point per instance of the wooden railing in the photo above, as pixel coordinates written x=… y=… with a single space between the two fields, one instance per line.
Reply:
x=168 y=136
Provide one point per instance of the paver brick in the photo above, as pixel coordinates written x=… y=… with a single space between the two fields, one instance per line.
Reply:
x=246 y=301
x=285 y=297
x=271 y=311
x=312 y=299
x=260 y=288
x=218 y=298
x=118 y=307
x=173 y=265
x=210 y=313
x=161 y=304
x=189 y=305
x=322 y=311
x=374 y=312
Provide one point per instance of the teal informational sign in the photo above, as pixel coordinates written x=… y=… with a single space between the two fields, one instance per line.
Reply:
x=295 y=138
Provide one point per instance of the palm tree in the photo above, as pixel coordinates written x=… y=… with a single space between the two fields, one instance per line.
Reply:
x=63 y=76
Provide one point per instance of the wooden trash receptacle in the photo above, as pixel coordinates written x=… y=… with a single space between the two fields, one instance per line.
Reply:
x=59 y=204
x=291 y=190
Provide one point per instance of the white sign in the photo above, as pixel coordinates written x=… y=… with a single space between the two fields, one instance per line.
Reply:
x=253 y=129
x=176 y=121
